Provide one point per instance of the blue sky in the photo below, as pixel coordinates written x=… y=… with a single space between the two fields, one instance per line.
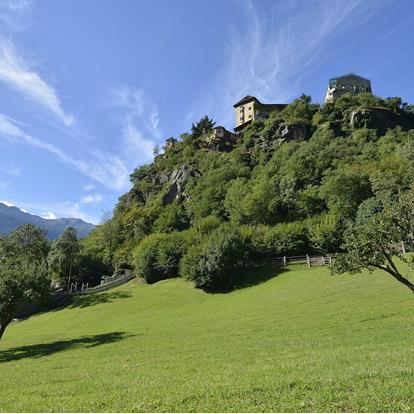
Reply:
x=89 y=87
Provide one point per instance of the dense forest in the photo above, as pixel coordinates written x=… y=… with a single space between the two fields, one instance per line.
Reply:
x=200 y=209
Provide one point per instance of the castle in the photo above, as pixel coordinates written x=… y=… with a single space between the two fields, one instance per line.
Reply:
x=249 y=109
x=346 y=84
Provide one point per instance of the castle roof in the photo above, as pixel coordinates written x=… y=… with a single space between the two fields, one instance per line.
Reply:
x=350 y=76
x=247 y=98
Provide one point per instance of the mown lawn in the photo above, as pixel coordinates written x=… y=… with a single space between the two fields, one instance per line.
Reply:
x=294 y=340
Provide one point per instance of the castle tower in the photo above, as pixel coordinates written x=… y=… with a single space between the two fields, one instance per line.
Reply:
x=348 y=83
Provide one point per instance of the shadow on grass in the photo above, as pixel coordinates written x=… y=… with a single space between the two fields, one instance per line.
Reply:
x=41 y=350
x=256 y=276
x=83 y=301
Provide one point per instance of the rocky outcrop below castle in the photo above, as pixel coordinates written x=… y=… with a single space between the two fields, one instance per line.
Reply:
x=380 y=119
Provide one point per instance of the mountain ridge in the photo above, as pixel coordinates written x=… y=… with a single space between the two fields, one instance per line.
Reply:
x=11 y=217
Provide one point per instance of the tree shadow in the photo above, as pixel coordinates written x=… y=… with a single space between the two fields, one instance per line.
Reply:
x=83 y=301
x=256 y=276
x=41 y=350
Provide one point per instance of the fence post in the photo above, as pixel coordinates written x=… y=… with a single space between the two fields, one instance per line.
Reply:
x=308 y=260
x=403 y=247
x=284 y=261
x=330 y=259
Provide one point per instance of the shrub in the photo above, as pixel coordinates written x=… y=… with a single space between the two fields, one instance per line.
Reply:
x=282 y=239
x=209 y=263
x=158 y=255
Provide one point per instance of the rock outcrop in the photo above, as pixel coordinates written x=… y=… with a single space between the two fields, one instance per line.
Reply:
x=380 y=119
x=178 y=180
x=296 y=132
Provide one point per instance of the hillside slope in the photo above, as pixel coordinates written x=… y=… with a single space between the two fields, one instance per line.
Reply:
x=301 y=341
x=12 y=217
x=289 y=185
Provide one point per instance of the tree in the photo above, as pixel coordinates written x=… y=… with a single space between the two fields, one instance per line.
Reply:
x=109 y=231
x=374 y=240
x=203 y=126
x=156 y=150
x=23 y=271
x=63 y=255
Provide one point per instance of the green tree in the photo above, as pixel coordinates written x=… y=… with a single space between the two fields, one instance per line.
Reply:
x=63 y=256
x=202 y=127
x=374 y=240
x=23 y=271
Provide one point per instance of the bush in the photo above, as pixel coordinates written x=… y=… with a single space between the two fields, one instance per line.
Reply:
x=158 y=255
x=280 y=240
x=209 y=264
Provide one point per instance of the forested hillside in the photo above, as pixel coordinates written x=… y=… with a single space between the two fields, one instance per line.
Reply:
x=290 y=184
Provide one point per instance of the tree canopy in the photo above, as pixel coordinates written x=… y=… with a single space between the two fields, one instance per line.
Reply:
x=23 y=271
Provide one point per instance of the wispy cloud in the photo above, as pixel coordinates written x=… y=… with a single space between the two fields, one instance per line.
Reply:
x=102 y=167
x=272 y=52
x=92 y=199
x=13 y=171
x=139 y=122
x=13 y=14
x=89 y=187
x=17 y=73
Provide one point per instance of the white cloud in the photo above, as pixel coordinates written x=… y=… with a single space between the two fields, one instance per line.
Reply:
x=103 y=168
x=140 y=123
x=92 y=199
x=89 y=187
x=17 y=74
x=49 y=215
x=270 y=55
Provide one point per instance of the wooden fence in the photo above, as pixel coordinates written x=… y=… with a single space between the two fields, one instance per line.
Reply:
x=108 y=282
x=308 y=260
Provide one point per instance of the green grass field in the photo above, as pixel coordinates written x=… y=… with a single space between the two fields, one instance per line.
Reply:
x=291 y=340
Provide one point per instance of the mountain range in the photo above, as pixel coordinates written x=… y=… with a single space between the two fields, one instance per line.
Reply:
x=12 y=217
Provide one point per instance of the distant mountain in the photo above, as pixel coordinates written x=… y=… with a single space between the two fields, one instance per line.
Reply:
x=12 y=217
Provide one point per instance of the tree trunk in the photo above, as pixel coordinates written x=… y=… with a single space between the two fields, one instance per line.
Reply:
x=3 y=326
x=404 y=281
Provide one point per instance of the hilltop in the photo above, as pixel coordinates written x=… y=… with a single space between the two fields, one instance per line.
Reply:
x=296 y=340
x=11 y=217
x=287 y=182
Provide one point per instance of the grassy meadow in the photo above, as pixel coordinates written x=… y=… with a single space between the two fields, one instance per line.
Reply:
x=293 y=339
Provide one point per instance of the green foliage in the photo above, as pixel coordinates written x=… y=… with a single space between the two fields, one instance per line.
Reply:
x=158 y=255
x=173 y=217
x=63 y=256
x=23 y=271
x=374 y=240
x=300 y=111
x=209 y=263
x=204 y=126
